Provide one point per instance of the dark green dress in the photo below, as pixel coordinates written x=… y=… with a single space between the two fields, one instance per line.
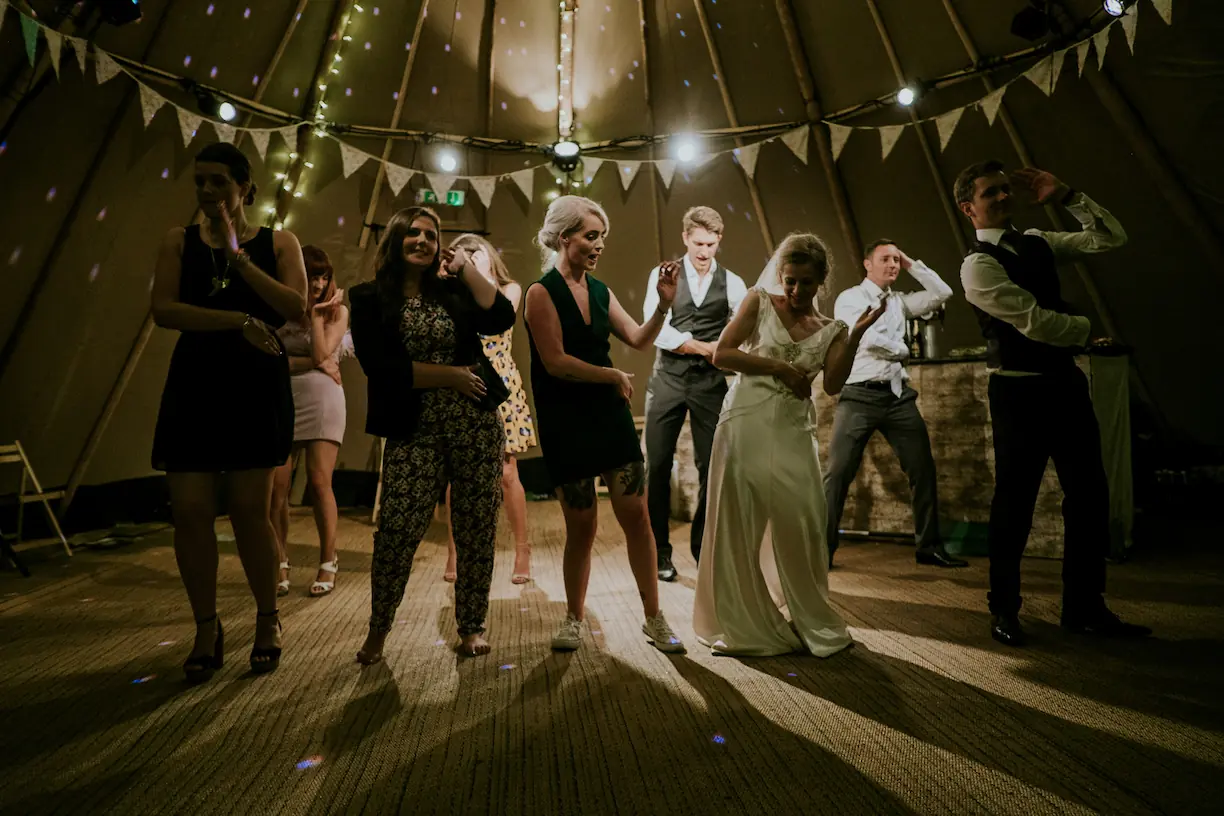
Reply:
x=585 y=429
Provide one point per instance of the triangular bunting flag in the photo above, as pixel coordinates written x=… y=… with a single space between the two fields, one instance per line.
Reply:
x=946 y=125
x=991 y=102
x=1060 y=59
x=1130 y=24
x=289 y=134
x=1081 y=54
x=29 y=33
x=748 y=155
x=524 y=180
x=484 y=187
x=590 y=166
x=79 y=46
x=225 y=132
x=397 y=176
x=797 y=141
x=1165 y=7
x=667 y=171
x=55 y=44
x=1101 y=41
x=838 y=134
x=352 y=158
x=189 y=123
x=260 y=138
x=888 y=138
x=441 y=182
x=150 y=102
x=627 y=170
x=105 y=67
x=1040 y=75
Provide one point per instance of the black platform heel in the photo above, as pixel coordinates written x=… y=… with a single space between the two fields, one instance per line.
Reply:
x=199 y=669
x=267 y=659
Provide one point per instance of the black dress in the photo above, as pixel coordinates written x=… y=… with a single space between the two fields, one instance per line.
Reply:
x=226 y=405
x=585 y=429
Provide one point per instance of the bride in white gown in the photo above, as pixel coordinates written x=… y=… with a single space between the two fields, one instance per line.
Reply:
x=757 y=600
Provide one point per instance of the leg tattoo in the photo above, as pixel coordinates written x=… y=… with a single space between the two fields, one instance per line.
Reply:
x=579 y=495
x=631 y=478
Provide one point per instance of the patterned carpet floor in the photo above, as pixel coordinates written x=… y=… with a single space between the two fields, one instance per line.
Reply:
x=925 y=715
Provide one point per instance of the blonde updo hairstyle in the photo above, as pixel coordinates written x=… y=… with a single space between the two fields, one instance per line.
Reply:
x=802 y=249
x=564 y=218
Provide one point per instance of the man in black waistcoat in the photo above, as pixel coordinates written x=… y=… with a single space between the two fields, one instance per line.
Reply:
x=1040 y=407
x=685 y=379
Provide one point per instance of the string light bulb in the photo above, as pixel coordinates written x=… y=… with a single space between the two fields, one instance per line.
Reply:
x=447 y=161
x=906 y=96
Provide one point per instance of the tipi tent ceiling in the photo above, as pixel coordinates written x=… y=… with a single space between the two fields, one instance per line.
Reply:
x=94 y=187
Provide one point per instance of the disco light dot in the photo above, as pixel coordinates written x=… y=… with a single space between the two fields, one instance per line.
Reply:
x=246 y=15
x=187 y=60
x=523 y=51
x=509 y=52
x=166 y=173
x=719 y=25
x=439 y=642
x=395 y=94
x=502 y=21
x=503 y=106
x=376 y=11
x=458 y=15
x=506 y=667
x=309 y=762
x=145 y=679
x=522 y=609
x=791 y=674
x=407 y=46
x=14 y=256
x=635 y=64
x=367 y=46
x=255 y=79
x=596 y=632
x=93 y=273
x=348 y=91
x=86 y=600
x=51 y=194
x=210 y=9
x=434 y=90
x=213 y=72
x=446 y=48
x=522 y=24
x=296 y=91
x=686 y=83
x=677 y=15
x=166 y=643
x=340 y=221
x=682 y=34
x=601 y=28
x=101 y=214
x=720 y=739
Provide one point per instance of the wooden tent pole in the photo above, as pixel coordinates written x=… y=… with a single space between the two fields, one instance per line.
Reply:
x=824 y=149
x=716 y=61
x=650 y=124
x=372 y=208
x=491 y=52
x=62 y=234
x=941 y=191
x=81 y=466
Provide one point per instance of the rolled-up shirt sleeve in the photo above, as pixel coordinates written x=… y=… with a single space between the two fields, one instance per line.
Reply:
x=669 y=339
x=1101 y=231
x=988 y=287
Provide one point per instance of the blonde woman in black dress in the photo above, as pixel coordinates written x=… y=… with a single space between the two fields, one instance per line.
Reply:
x=226 y=286
x=582 y=407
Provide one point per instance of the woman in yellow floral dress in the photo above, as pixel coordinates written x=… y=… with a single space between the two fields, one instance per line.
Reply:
x=516 y=418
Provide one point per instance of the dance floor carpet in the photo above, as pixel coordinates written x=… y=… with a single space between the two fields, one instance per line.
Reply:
x=925 y=715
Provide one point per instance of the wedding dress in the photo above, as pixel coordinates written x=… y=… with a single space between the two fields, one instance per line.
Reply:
x=762 y=581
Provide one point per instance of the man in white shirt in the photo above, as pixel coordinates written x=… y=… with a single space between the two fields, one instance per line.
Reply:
x=685 y=379
x=1040 y=405
x=877 y=396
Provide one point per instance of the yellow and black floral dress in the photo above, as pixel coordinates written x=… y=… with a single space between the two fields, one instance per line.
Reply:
x=515 y=416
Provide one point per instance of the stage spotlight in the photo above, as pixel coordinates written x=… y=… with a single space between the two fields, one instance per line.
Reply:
x=447 y=161
x=686 y=149
x=1116 y=8
x=1032 y=23
x=565 y=155
x=120 y=12
x=227 y=112
x=906 y=96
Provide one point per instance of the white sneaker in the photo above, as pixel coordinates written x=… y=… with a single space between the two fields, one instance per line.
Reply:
x=661 y=634
x=569 y=635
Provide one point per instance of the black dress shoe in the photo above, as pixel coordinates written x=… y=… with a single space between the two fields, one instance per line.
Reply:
x=667 y=572
x=938 y=558
x=1006 y=629
x=1103 y=623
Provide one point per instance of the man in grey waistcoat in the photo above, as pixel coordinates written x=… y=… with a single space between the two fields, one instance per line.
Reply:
x=685 y=380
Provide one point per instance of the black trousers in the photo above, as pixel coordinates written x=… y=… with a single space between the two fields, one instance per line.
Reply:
x=861 y=411
x=1036 y=419
x=699 y=392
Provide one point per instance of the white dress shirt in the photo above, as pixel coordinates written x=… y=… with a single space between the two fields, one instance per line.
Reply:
x=669 y=339
x=882 y=348
x=988 y=287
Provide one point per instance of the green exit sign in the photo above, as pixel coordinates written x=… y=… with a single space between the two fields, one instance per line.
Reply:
x=454 y=198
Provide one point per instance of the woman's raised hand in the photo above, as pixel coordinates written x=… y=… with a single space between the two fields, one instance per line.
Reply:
x=327 y=308
x=230 y=236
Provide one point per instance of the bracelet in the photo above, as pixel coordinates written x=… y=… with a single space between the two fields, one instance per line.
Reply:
x=659 y=310
x=240 y=257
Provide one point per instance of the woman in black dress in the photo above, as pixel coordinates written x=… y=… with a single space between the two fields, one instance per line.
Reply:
x=227 y=407
x=582 y=406
x=416 y=332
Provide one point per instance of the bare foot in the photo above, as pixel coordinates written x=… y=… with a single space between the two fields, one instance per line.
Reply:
x=473 y=645
x=371 y=650
x=522 y=564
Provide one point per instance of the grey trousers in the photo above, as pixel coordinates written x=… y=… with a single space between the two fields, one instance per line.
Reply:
x=862 y=411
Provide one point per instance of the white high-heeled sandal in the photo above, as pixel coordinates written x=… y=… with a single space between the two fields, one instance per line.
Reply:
x=282 y=587
x=320 y=588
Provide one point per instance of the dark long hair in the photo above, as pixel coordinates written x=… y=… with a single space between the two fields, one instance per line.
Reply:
x=389 y=266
